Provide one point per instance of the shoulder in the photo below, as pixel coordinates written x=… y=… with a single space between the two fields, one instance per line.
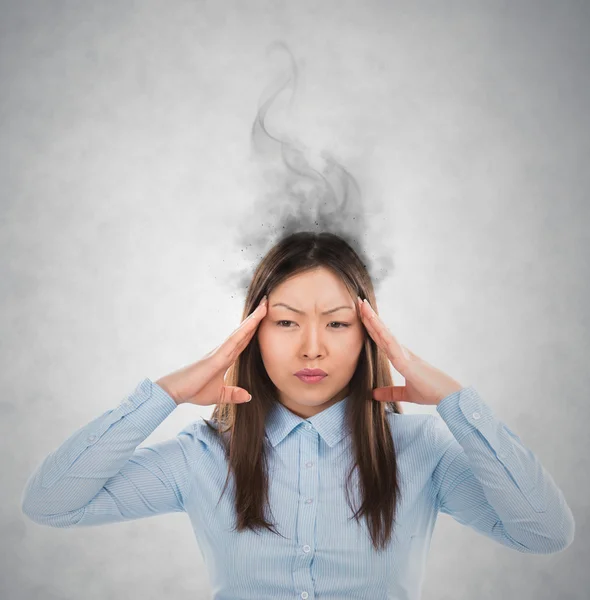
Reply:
x=410 y=429
x=440 y=436
x=422 y=438
x=425 y=430
x=202 y=435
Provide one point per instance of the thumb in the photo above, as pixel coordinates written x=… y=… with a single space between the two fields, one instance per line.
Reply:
x=389 y=394
x=235 y=394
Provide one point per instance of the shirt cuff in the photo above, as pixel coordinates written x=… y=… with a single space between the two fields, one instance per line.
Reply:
x=143 y=415
x=464 y=411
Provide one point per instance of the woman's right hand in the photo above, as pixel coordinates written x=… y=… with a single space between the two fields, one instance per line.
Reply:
x=202 y=383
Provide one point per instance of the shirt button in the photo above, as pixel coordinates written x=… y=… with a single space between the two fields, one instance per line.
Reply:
x=309 y=501
x=502 y=455
x=308 y=426
x=306 y=548
x=476 y=415
x=91 y=438
x=304 y=595
x=309 y=464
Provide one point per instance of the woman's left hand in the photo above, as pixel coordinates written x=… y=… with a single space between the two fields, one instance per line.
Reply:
x=425 y=384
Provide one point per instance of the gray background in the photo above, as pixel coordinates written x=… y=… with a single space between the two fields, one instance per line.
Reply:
x=124 y=154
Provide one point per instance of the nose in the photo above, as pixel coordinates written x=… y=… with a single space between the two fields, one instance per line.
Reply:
x=311 y=343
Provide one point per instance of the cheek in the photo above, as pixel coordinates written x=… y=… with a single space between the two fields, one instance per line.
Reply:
x=272 y=345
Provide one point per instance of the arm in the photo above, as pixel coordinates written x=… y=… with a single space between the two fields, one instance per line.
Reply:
x=487 y=479
x=98 y=475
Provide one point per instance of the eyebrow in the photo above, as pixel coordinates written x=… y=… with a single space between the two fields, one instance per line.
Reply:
x=327 y=312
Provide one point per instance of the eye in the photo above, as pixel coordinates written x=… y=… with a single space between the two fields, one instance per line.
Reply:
x=344 y=325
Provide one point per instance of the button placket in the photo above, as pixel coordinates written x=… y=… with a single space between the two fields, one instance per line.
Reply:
x=309 y=447
x=309 y=464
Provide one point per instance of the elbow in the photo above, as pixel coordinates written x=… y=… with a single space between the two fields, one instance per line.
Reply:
x=563 y=535
x=40 y=519
x=556 y=546
x=569 y=533
x=562 y=542
x=30 y=514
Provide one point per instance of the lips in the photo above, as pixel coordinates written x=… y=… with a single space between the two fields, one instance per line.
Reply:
x=311 y=372
x=311 y=378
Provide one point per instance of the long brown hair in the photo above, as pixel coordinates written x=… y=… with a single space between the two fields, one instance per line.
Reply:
x=366 y=417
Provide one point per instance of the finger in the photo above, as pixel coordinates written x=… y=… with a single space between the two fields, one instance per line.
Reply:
x=369 y=326
x=231 y=394
x=240 y=338
x=380 y=333
x=255 y=314
x=396 y=393
x=251 y=322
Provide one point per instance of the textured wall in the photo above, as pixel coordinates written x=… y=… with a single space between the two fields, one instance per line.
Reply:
x=124 y=158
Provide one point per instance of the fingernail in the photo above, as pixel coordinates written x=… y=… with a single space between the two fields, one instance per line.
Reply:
x=250 y=398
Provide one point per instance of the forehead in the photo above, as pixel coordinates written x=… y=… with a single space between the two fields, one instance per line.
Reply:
x=319 y=284
x=311 y=291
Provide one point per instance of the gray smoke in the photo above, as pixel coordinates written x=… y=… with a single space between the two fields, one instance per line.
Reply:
x=298 y=197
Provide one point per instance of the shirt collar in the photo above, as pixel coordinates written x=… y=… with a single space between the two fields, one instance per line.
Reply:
x=329 y=423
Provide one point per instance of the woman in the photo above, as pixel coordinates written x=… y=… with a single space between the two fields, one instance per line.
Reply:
x=301 y=446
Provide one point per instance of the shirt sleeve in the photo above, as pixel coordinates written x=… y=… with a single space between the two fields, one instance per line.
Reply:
x=487 y=479
x=98 y=475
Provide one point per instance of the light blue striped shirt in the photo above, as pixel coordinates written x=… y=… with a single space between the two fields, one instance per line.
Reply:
x=467 y=464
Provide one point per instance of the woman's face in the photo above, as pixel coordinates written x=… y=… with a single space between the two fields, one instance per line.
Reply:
x=290 y=341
